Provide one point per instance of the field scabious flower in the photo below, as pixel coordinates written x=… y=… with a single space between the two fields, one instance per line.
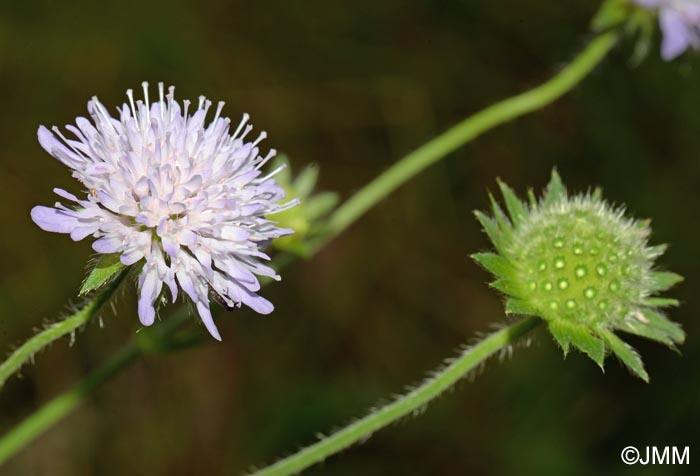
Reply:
x=582 y=266
x=680 y=25
x=186 y=198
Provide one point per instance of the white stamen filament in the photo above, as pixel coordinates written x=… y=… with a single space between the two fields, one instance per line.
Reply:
x=269 y=155
x=243 y=122
x=271 y=174
x=148 y=105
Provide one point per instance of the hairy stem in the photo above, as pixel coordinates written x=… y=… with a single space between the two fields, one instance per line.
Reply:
x=341 y=219
x=53 y=411
x=404 y=405
x=149 y=341
x=57 y=330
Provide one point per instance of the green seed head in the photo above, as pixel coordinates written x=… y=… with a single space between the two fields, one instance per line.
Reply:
x=583 y=267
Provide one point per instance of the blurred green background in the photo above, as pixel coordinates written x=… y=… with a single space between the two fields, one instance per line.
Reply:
x=353 y=86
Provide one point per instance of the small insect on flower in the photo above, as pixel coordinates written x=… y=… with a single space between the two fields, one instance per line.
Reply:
x=186 y=199
x=583 y=267
x=219 y=299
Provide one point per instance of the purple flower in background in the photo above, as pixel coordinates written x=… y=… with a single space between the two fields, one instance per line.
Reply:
x=187 y=198
x=680 y=24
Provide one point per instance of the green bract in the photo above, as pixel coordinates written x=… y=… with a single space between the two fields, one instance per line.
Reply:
x=635 y=21
x=104 y=269
x=583 y=267
x=306 y=218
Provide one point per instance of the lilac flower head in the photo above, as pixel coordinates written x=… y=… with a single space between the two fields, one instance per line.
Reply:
x=163 y=187
x=680 y=25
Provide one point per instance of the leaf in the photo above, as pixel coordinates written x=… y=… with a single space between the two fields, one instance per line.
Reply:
x=559 y=331
x=296 y=247
x=656 y=251
x=659 y=321
x=319 y=205
x=503 y=222
x=663 y=280
x=306 y=181
x=590 y=345
x=653 y=325
x=105 y=268
x=494 y=263
x=520 y=306
x=641 y=25
x=555 y=189
x=625 y=353
x=580 y=336
x=532 y=199
x=509 y=287
x=492 y=230
x=516 y=208
x=661 y=302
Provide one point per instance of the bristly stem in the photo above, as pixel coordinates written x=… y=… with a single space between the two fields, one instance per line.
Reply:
x=53 y=411
x=346 y=214
x=404 y=405
x=58 y=329
x=149 y=341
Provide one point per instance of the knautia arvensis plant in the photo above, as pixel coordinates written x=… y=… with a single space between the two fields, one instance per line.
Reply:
x=133 y=130
x=584 y=267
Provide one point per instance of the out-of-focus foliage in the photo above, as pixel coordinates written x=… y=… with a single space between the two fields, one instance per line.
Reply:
x=353 y=86
x=306 y=218
x=636 y=22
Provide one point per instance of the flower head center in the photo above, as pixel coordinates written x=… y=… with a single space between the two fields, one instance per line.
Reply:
x=581 y=264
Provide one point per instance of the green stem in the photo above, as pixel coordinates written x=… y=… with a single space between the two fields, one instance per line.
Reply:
x=53 y=411
x=404 y=405
x=149 y=341
x=349 y=212
x=57 y=330
x=469 y=129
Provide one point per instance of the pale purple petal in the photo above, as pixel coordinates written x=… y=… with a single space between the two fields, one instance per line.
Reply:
x=131 y=256
x=172 y=285
x=207 y=319
x=80 y=232
x=67 y=195
x=170 y=246
x=187 y=237
x=676 y=34
x=55 y=147
x=187 y=284
x=149 y=290
x=108 y=244
x=257 y=303
x=235 y=233
x=52 y=219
